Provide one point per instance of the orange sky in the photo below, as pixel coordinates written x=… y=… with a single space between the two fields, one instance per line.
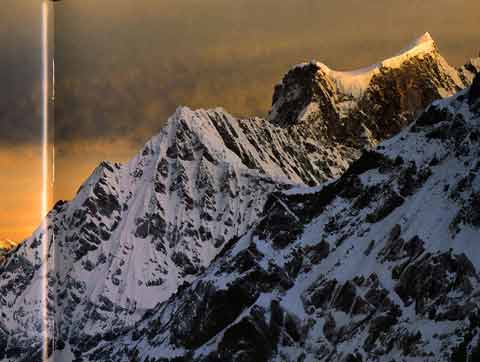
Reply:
x=20 y=123
x=21 y=191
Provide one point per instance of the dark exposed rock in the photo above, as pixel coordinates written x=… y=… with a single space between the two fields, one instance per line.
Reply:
x=408 y=342
x=379 y=325
x=318 y=252
x=203 y=318
x=345 y=297
x=184 y=263
x=392 y=201
x=410 y=179
x=474 y=93
x=468 y=214
x=352 y=358
x=429 y=277
x=369 y=248
x=294 y=265
x=282 y=225
x=300 y=87
x=248 y=340
x=322 y=293
x=368 y=161
x=244 y=261
x=151 y=224
x=431 y=117
x=106 y=202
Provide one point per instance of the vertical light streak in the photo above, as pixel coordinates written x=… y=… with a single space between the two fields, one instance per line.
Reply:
x=45 y=175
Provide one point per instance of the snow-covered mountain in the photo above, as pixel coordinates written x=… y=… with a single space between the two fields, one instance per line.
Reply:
x=381 y=264
x=369 y=104
x=136 y=232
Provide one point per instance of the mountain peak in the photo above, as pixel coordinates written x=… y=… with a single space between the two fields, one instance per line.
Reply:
x=474 y=93
x=355 y=82
x=419 y=47
x=312 y=92
x=424 y=39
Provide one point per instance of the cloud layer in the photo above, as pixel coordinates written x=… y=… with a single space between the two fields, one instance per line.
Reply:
x=19 y=72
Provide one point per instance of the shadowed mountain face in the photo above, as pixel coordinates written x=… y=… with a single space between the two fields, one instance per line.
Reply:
x=137 y=232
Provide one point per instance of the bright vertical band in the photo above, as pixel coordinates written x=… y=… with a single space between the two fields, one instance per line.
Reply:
x=45 y=173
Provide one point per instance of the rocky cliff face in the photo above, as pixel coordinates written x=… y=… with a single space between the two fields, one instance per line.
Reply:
x=365 y=106
x=138 y=232
x=380 y=265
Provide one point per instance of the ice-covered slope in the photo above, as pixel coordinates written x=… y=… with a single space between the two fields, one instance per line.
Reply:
x=136 y=232
x=379 y=265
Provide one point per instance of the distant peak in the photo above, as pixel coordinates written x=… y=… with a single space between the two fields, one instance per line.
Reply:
x=6 y=244
x=423 y=44
x=303 y=83
x=355 y=82
x=426 y=37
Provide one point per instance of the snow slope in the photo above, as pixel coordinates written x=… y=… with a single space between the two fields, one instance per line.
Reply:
x=380 y=265
x=356 y=82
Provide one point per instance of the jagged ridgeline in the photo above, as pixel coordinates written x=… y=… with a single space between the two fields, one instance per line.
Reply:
x=378 y=265
x=231 y=239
